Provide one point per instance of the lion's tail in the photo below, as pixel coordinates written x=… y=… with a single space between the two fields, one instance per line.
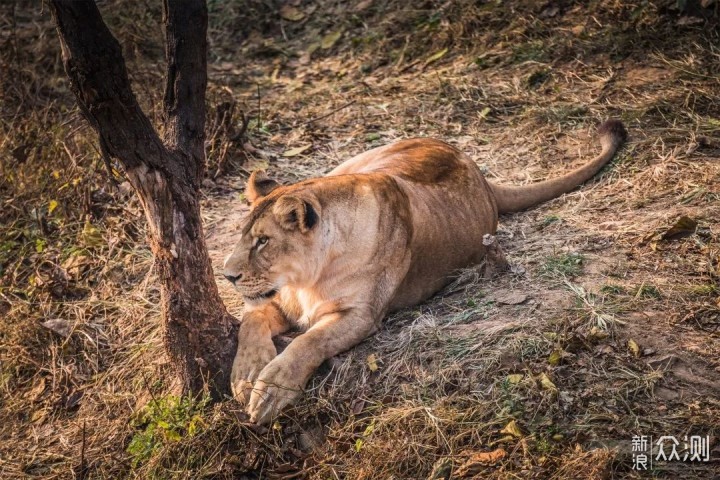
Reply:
x=513 y=199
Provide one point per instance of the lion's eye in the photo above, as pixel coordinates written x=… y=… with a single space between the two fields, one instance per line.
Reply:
x=261 y=240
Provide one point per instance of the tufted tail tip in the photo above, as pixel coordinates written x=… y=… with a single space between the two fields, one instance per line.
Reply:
x=614 y=129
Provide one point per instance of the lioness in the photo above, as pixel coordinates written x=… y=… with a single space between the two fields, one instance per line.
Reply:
x=333 y=255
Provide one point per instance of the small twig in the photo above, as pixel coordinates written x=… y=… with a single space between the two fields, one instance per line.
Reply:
x=259 y=115
x=409 y=66
x=243 y=128
x=147 y=385
x=221 y=161
x=236 y=137
x=327 y=114
x=41 y=223
x=401 y=58
x=83 y=467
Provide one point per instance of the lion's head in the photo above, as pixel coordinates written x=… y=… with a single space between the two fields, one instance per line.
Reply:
x=278 y=244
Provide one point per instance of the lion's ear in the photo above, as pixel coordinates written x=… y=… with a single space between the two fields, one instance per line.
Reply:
x=294 y=213
x=259 y=185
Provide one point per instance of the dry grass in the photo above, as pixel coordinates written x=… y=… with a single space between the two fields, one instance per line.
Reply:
x=470 y=382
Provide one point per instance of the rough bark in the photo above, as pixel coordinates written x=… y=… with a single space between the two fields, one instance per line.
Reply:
x=199 y=334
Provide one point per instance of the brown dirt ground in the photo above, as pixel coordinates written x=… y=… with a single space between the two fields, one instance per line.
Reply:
x=603 y=330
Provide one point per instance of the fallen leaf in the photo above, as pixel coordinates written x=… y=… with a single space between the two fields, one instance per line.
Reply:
x=555 y=357
x=683 y=227
x=290 y=13
x=550 y=12
x=578 y=30
x=364 y=5
x=256 y=164
x=307 y=56
x=91 y=236
x=442 y=469
x=505 y=439
x=73 y=399
x=311 y=439
x=634 y=348
x=546 y=383
x=435 y=57
x=372 y=362
x=296 y=151
x=38 y=416
x=195 y=422
x=58 y=325
x=274 y=75
x=37 y=280
x=329 y=40
x=512 y=429
x=515 y=378
x=52 y=205
x=285 y=468
x=37 y=390
x=74 y=264
x=357 y=405
x=688 y=20
x=596 y=334
x=473 y=465
x=485 y=112
x=489 y=457
x=604 y=349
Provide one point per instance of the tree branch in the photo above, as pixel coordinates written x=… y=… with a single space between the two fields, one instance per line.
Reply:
x=94 y=63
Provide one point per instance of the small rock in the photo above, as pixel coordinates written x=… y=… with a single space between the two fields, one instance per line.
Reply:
x=512 y=298
x=666 y=393
x=58 y=325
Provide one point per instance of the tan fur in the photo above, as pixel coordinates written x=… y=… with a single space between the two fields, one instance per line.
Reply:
x=384 y=230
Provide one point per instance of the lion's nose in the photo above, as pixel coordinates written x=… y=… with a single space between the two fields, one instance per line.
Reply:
x=232 y=278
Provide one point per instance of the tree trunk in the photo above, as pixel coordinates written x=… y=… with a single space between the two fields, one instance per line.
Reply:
x=199 y=334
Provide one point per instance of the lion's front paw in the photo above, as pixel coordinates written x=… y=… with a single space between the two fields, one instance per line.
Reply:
x=252 y=357
x=278 y=386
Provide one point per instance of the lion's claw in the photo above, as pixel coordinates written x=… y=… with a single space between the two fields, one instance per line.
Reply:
x=275 y=388
x=250 y=360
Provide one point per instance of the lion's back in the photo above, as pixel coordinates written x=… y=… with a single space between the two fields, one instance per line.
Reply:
x=418 y=160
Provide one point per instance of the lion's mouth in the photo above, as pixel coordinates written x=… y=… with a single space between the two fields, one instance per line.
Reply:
x=261 y=296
